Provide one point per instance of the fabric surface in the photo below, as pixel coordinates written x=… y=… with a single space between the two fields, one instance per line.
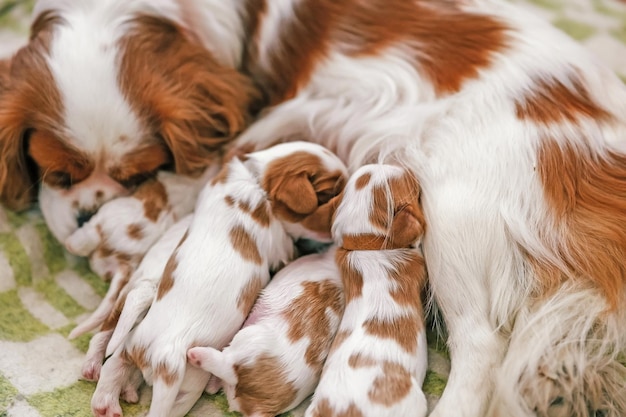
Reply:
x=45 y=291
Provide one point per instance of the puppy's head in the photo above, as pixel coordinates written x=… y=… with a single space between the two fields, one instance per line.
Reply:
x=103 y=97
x=302 y=181
x=379 y=209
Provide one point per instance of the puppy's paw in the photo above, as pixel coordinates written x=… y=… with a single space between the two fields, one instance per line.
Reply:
x=91 y=370
x=197 y=356
x=83 y=241
x=105 y=406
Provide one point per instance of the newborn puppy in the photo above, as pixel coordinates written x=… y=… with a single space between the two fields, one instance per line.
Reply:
x=274 y=362
x=121 y=308
x=122 y=231
x=244 y=224
x=378 y=359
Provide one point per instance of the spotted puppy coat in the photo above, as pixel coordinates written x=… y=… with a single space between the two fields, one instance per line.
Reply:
x=275 y=361
x=378 y=359
x=126 y=300
x=244 y=225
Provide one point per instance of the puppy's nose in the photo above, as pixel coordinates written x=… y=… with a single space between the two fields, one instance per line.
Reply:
x=83 y=217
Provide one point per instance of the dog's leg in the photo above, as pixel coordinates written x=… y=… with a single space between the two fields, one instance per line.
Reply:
x=168 y=378
x=95 y=355
x=460 y=282
x=116 y=371
x=190 y=390
x=130 y=392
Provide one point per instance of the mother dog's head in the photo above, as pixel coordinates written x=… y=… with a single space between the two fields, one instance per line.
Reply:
x=105 y=94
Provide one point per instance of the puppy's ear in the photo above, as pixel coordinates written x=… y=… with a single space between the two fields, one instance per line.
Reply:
x=406 y=227
x=296 y=193
x=196 y=105
x=17 y=186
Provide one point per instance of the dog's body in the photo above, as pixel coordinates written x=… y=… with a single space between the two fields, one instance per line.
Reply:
x=518 y=138
x=516 y=134
x=127 y=298
x=274 y=362
x=244 y=225
x=378 y=360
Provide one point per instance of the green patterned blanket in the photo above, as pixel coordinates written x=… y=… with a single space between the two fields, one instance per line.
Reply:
x=44 y=291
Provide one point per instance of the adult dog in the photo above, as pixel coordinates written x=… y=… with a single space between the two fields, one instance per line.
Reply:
x=517 y=136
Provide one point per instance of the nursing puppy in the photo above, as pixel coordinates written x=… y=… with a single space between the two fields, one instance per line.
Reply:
x=244 y=225
x=378 y=359
x=127 y=299
x=274 y=362
x=116 y=238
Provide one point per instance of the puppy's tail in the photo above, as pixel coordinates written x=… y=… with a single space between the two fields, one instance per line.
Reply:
x=118 y=282
x=565 y=359
x=213 y=361
x=137 y=302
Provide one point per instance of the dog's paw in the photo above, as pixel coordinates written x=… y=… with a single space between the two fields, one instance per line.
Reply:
x=105 y=406
x=91 y=370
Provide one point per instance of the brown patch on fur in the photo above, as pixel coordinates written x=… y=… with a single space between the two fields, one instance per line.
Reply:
x=351 y=278
x=194 y=104
x=245 y=245
x=358 y=360
x=260 y=214
x=167 y=280
x=111 y=321
x=29 y=103
x=230 y=200
x=135 y=231
x=365 y=242
x=140 y=165
x=60 y=165
x=249 y=294
x=340 y=337
x=392 y=386
x=104 y=251
x=162 y=372
x=136 y=355
x=308 y=317
x=323 y=408
x=447 y=45
x=262 y=387
x=321 y=220
x=410 y=278
x=403 y=329
x=362 y=181
x=586 y=193
x=154 y=197
x=553 y=101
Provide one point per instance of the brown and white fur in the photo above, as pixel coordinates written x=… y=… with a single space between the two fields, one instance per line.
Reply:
x=86 y=115
x=515 y=132
x=127 y=299
x=274 y=362
x=243 y=225
x=378 y=359
x=117 y=237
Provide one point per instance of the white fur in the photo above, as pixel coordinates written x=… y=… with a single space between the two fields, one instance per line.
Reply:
x=265 y=333
x=202 y=305
x=136 y=296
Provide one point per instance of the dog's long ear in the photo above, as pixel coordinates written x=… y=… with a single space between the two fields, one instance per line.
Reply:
x=195 y=104
x=17 y=187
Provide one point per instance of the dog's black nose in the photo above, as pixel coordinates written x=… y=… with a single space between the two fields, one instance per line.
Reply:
x=83 y=217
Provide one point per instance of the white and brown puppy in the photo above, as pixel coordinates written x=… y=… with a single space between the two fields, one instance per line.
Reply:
x=274 y=362
x=117 y=237
x=244 y=224
x=378 y=359
x=127 y=299
x=86 y=115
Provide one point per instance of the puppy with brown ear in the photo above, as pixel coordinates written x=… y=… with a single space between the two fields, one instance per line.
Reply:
x=244 y=224
x=378 y=359
x=274 y=362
